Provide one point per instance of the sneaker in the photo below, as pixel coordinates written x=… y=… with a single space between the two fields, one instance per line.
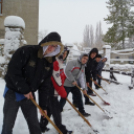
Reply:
x=85 y=114
x=89 y=103
x=43 y=130
x=69 y=132
x=43 y=125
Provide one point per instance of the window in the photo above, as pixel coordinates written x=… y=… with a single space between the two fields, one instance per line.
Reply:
x=1 y=6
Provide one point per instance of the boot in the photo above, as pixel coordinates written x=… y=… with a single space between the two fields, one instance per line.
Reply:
x=85 y=114
x=89 y=103
x=69 y=132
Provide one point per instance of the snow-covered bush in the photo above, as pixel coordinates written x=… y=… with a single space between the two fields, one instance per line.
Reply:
x=14 y=30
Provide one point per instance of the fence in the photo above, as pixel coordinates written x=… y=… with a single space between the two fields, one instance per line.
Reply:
x=114 y=80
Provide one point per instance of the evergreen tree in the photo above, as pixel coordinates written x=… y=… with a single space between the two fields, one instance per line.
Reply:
x=121 y=19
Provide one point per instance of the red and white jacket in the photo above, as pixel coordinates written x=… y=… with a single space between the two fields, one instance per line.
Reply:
x=58 y=78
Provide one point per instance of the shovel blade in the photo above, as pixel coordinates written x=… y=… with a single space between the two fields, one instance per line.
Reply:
x=108 y=114
x=106 y=103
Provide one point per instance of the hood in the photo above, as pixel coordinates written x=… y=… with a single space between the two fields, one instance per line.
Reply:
x=94 y=50
x=61 y=56
x=51 y=38
x=83 y=54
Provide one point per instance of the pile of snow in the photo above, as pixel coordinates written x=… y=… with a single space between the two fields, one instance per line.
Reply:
x=107 y=46
x=124 y=50
x=14 y=26
x=125 y=66
x=14 y=21
x=122 y=109
x=12 y=40
x=75 y=51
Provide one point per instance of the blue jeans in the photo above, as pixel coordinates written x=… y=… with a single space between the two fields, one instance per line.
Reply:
x=78 y=98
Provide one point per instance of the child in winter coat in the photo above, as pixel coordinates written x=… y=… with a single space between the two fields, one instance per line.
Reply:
x=75 y=75
x=53 y=107
x=90 y=72
x=29 y=69
x=99 y=68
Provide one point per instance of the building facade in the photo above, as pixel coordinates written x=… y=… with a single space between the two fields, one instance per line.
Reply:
x=28 y=10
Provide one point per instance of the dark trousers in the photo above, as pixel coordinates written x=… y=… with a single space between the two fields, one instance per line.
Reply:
x=98 y=81
x=10 y=110
x=77 y=97
x=54 y=110
x=89 y=91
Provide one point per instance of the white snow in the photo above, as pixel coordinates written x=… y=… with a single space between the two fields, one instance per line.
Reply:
x=120 y=98
x=12 y=40
x=2 y=60
x=14 y=21
x=2 y=41
x=106 y=46
x=125 y=66
x=24 y=42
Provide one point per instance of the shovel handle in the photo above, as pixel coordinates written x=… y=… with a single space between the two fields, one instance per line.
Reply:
x=79 y=113
x=46 y=115
x=99 y=86
x=96 y=93
x=90 y=98
x=103 y=78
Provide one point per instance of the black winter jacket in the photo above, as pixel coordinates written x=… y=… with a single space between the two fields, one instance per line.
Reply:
x=90 y=70
x=27 y=72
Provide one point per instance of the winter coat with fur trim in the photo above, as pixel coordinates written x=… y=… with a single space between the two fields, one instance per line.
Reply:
x=29 y=70
x=27 y=73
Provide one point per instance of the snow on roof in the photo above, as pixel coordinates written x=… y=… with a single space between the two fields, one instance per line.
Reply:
x=69 y=45
x=1 y=41
x=119 y=66
x=124 y=50
x=14 y=21
x=106 y=46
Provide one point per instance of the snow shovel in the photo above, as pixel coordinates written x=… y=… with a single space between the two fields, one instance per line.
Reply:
x=46 y=116
x=100 y=87
x=99 y=96
x=103 y=78
x=95 y=131
x=105 y=111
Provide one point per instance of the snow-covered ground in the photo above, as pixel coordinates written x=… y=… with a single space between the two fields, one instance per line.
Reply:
x=120 y=98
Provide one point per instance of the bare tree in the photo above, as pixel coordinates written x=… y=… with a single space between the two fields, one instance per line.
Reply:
x=91 y=36
x=88 y=36
x=86 y=39
x=98 y=36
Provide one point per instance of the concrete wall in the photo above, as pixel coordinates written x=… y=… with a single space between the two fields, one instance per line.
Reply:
x=28 y=10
